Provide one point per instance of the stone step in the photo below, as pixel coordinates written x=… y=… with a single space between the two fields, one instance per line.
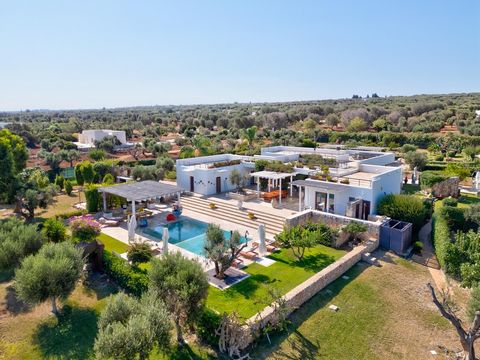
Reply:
x=235 y=216
x=275 y=219
x=238 y=218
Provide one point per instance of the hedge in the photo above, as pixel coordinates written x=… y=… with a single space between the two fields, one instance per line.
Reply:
x=441 y=238
x=94 y=200
x=402 y=207
x=132 y=280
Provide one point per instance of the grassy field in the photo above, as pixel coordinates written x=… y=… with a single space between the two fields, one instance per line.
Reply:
x=33 y=333
x=251 y=295
x=464 y=201
x=385 y=313
x=62 y=204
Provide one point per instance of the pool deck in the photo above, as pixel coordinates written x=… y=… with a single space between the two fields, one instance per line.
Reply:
x=121 y=233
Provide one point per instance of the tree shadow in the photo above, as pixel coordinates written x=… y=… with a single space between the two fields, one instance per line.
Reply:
x=14 y=305
x=186 y=353
x=314 y=262
x=298 y=317
x=248 y=286
x=69 y=336
x=100 y=285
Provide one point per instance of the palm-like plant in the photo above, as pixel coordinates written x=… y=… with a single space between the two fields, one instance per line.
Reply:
x=250 y=134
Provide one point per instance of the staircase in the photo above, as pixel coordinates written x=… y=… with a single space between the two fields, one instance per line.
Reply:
x=230 y=212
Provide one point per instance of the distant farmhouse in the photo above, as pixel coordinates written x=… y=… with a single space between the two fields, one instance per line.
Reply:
x=87 y=139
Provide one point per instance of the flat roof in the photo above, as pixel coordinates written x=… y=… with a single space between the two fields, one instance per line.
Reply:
x=271 y=175
x=142 y=190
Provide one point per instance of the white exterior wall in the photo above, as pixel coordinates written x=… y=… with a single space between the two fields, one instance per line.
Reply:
x=90 y=136
x=342 y=192
x=205 y=179
x=388 y=182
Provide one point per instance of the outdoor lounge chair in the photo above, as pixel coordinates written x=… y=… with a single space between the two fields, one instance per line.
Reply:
x=270 y=247
x=249 y=254
x=108 y=222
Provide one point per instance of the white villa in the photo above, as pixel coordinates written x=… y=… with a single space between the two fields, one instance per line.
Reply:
x=355 y=181
x=87 y=138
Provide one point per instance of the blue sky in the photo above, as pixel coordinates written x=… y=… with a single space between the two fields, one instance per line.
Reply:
x=92 y=54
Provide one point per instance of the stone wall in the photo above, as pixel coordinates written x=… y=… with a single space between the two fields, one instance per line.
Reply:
x=306 y=290
x=446 y=188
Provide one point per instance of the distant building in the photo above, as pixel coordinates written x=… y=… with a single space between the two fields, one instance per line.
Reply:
x=477 y=112
x=3 y=124
x=87 y=138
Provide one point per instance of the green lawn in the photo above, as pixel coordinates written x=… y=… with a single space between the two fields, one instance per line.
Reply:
x=251 y=295
x=464 y=201
x=112 y=244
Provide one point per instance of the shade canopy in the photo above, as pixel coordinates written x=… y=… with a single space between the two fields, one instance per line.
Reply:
x=142 y=190
x=272 y=175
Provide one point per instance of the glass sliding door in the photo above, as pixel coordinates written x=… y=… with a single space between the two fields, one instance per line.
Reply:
x=324 y=202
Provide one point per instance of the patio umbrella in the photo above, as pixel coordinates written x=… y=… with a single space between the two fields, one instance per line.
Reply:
x=132 y=225
x=165 y=237
x=262 y=249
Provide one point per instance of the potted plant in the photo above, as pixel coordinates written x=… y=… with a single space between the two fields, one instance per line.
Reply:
x=345 y=181
x=212 y=206
x=251 y=215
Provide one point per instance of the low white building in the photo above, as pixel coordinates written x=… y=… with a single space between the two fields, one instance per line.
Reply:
x=353 y=187
x=88 y=138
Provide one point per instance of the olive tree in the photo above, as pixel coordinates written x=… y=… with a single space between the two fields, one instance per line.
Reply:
x=131 y=328
x=182 y=285
x=17 y=240
x=467 y=336
x=221 y=251
x=50 y=274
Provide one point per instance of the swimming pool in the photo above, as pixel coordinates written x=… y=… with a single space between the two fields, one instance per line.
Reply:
x=188 y=234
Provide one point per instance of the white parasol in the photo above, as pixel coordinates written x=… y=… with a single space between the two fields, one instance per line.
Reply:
x=165 y=238
x=262 y=249
x=132 y=225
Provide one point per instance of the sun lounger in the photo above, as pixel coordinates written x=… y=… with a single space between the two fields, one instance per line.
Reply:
x=251 y=255
x=270 y=247
x=108 y=222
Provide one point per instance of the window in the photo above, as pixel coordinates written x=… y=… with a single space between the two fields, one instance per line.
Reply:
x=331 y=203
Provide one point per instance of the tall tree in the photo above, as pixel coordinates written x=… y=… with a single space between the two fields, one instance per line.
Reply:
x=182 y=285
x=49 y=275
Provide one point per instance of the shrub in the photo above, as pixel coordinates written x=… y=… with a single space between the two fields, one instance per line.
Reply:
x=108 y=179
x=402 y=207
x=93 y=198
x=17 y=240
x=417 y=246
x=450 y=202
x=132 y=280
x=84 y=228
x=301 y=237
x=68 y=187
x=139 y=253
x=416 y=159
x=54 y=230
x=60 y=181
x=455 y=218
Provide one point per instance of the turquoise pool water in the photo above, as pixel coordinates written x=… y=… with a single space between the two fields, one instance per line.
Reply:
x=188 y=234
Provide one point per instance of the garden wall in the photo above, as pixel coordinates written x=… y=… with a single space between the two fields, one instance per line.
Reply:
x=306 y=290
